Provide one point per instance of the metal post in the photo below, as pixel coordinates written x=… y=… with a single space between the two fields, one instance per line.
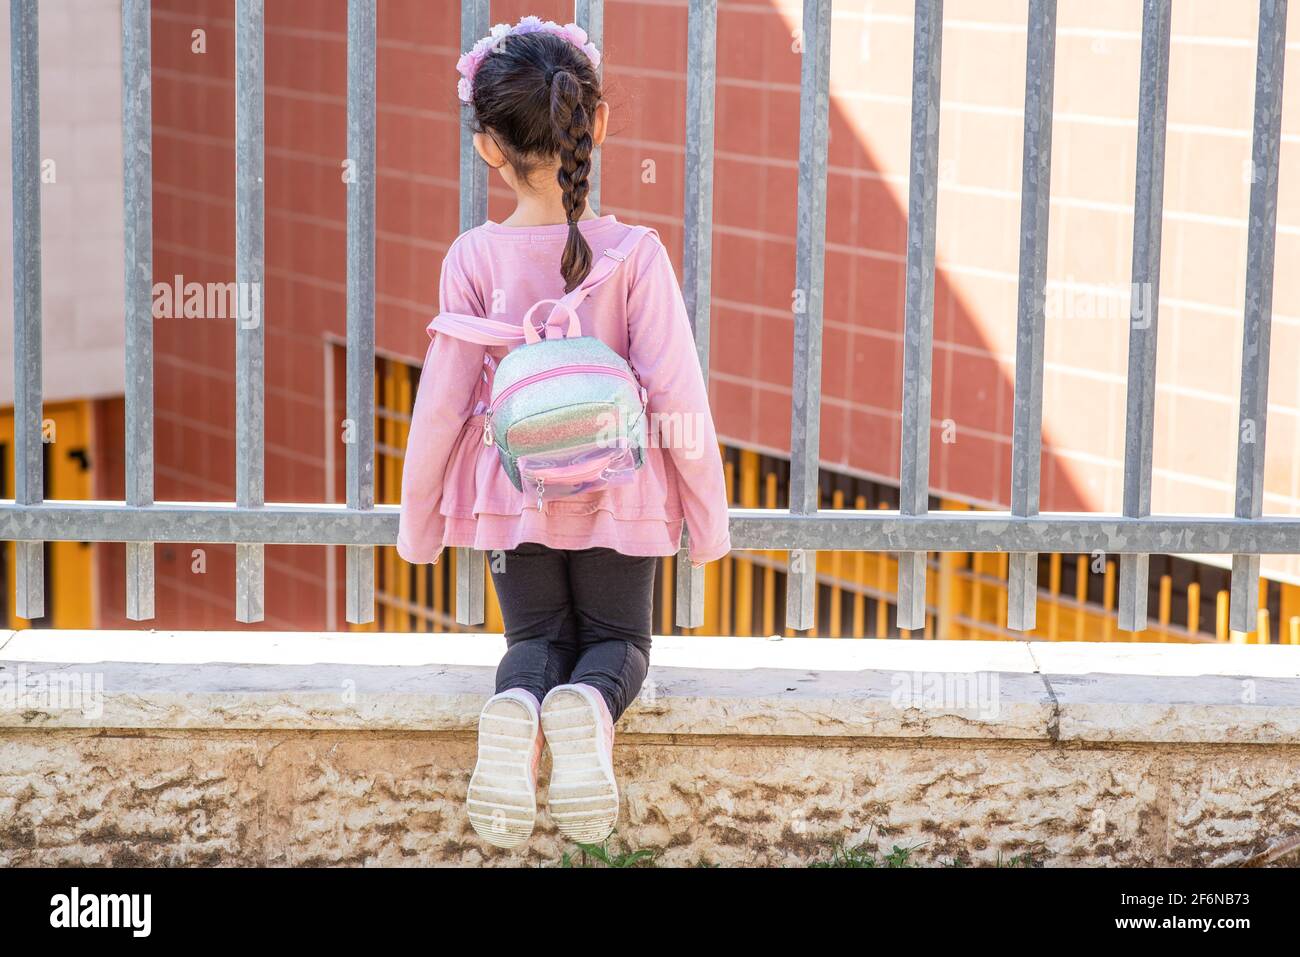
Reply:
x=137 y=169
x=590 y=15
x=1148 y=207
x=810 y=248
x=918 y=337
x=471 y=570
x=360 y=560
x=1027 y=428
x=250 y=371
x=29 y=471
x=1260 y=246
x=697 y=252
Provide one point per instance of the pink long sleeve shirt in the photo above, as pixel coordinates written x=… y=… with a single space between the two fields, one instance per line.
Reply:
x=454 y=491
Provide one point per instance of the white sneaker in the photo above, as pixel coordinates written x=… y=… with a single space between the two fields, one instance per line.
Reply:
x=502 y=795
x=583 y=795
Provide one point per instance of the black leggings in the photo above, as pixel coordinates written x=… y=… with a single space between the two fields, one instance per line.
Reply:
x=575 y=616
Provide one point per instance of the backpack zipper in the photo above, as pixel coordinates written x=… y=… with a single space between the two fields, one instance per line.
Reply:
x=549 y=373
x=563 y=370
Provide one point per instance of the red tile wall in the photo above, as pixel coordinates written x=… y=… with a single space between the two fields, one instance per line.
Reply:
x=753 y=271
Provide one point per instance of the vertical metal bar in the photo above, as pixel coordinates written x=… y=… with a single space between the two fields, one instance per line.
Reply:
x=360 y=559
x=918 y=335
x=697 y=251
x=1148 y=207
x=810 y=248
x=471 y=569
x=590 y=15
x=1258 y=319
x=473 y=173
x=137 y=169
x=1027 y=429
x=29 y=471
x=250 y=372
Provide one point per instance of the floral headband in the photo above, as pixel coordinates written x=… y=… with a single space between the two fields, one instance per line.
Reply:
x=469 y=62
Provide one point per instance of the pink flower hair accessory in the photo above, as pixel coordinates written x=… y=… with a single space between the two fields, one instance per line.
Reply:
x=469 y=62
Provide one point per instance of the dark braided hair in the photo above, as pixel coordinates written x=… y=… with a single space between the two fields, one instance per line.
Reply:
x=536 y=95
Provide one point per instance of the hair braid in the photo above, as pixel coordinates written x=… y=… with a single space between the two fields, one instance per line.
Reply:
x=537 y=95
x=572 y=126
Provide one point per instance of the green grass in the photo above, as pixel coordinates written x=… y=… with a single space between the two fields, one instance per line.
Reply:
x=593 y=855
x=840 y=855
x=1017 y=860
x=861 y=855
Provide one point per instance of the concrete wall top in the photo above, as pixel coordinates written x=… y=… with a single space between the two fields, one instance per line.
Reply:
x=1060 y=692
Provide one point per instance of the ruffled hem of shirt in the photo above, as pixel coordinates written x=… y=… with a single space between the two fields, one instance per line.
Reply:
x=602 y=530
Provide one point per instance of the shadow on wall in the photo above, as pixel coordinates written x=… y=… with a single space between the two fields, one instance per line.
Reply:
x=755 y=199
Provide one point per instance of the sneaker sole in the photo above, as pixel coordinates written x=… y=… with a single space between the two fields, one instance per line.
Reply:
x=583 y=796
x=502 y=800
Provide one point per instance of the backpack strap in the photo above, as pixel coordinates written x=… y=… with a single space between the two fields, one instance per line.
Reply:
x=601 y=270
x=477 y=329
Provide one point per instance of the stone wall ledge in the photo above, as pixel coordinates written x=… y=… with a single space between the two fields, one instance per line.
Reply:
x=701 y=686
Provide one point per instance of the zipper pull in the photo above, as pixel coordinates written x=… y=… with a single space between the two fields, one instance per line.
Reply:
x=487 y=430
x=640 y=386
x=540 y=485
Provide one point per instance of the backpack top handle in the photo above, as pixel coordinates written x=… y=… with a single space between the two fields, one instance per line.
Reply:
x=530 y=331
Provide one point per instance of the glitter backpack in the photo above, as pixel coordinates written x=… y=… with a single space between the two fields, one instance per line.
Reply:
x=567 y=413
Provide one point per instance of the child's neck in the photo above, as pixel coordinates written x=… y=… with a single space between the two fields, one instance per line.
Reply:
x=542 y=210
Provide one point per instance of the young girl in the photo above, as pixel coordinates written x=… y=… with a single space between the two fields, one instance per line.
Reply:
x=575 y=578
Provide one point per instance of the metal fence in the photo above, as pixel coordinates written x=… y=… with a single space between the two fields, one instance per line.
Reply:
x=251 y=523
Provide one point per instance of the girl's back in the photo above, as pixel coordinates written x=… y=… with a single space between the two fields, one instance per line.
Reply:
x=575 y=579
x=454 y=491
x=511 y=267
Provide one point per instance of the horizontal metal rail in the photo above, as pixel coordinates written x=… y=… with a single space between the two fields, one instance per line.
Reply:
x=755 y=529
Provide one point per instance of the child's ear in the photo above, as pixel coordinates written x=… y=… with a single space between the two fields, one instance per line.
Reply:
x=487 y=148
x=600 y=123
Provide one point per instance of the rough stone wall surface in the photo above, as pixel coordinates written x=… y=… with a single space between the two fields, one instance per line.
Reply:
x=219 y=749
x=207 y=797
